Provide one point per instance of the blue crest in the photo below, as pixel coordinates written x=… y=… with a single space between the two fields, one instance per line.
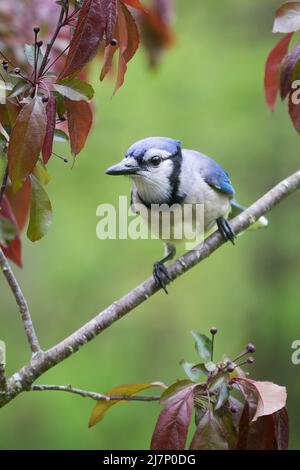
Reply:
x=138 y=149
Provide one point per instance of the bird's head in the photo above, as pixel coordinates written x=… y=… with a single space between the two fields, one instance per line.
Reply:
x=154 y=165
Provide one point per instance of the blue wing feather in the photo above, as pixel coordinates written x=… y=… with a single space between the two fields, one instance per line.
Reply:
x=215 y=175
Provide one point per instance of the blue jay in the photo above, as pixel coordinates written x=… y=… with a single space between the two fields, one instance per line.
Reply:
x=162 y=172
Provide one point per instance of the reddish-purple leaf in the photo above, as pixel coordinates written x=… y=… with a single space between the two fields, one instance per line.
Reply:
x=287 y=72
x=281 y=423
x=258 y=435
x=275 y=58
x=173 y=422
x=51 y=121
x=26 y=142
x=111 y=7
x=287 y=18
x=80 y=118
x=210 y=434
x=264 y=398
x=96 y=17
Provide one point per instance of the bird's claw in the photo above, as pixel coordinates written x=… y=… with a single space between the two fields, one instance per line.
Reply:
x=161 y=275
x=226 y=230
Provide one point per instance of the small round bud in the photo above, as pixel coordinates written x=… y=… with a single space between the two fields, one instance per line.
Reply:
x=17 y=70
x=233 y=409
x=66 y=160
x=36 y=30
x=230 y=367
x=250 y=360
x=45 y=99
x=250 y=348
x=5 y=64
x=213 y=330
x=39 y=43
x=114 y=42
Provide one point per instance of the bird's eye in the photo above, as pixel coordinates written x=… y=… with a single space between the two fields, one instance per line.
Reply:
x=155 y=161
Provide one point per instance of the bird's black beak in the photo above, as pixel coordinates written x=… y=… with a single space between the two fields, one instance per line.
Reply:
x=122 y=168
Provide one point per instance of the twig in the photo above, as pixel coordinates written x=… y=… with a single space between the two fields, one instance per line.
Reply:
x=22 y=304
x=92 y=395
x=25 y=377
x=51 y=43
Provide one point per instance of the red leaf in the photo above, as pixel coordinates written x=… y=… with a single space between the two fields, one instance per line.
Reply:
x=80 y=119
x=26 y=142
x=173 y=422
x=287 y=18
x=109 y=53
x=134 y=3
x=281 y=423
x=13 y=249
x=20 y=203
x=273 y=63
x=51 y=121
x=129 y=42
x=156 y=33
x=288 y=70
x=96 y=17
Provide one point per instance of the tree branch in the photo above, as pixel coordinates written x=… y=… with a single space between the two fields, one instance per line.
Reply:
x=22 y=304
x=25 y=377
x=92 y=395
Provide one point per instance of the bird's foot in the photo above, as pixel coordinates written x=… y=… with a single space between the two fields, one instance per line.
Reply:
x=226 y=230
x=161 y=275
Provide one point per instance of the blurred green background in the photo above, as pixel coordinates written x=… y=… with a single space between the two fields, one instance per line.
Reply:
x=208 y=92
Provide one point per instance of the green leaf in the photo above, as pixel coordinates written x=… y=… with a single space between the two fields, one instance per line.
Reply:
x=199 y=413
x=29 y=53
x=60 y=136
x=223 y=395
x=193 y=371
x=210 y=366
x=74 y=89
x=174 y=389
x=40 y=213
x=7 y=230
x=203 y=345
x=19 y=88
x=60 y=105
x=41 y=173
